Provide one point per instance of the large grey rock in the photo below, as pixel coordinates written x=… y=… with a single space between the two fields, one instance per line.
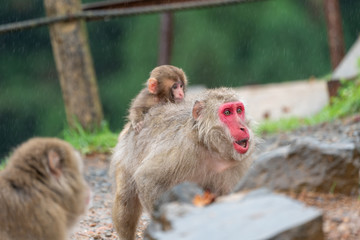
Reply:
x=259 y=215
x=307 y=164
x=183 y=193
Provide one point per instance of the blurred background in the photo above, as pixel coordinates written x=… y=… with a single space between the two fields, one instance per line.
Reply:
x=237 y=45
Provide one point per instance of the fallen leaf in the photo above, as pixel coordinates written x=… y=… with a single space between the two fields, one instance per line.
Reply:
x=204 y=200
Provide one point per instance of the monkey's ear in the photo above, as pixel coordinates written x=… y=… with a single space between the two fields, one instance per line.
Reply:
x=196 y=111
x=152 y=85
x=54 y=163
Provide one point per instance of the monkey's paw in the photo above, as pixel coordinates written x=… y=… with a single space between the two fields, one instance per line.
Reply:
x=138 y=126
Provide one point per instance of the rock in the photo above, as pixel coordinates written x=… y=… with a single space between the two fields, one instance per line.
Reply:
x=259 y=215
x=183 y=193
x=307 y=164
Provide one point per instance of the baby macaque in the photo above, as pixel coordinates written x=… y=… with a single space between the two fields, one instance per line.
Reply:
x=166 y=84
x=42 y=191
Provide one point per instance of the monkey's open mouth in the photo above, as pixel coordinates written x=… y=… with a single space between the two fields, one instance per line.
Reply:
x=242 y=145
x=243 y=142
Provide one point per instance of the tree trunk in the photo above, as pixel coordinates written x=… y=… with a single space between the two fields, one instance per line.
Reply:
x=74 y=65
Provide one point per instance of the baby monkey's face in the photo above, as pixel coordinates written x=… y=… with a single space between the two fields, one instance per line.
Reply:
x=177 y=91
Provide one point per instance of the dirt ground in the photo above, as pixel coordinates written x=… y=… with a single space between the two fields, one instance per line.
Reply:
x=341 y=213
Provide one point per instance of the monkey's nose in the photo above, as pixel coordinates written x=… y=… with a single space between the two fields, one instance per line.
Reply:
x=243 y=129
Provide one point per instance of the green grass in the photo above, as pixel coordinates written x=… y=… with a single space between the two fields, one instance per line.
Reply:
x=345 y=104
x=101 y=140
x=332 y=189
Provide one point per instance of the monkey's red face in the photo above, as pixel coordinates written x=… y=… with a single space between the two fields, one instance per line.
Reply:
x=177 y=90
x=233 y=115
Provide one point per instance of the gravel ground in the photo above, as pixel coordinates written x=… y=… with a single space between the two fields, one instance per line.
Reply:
x=341 y=213
x=97 y=223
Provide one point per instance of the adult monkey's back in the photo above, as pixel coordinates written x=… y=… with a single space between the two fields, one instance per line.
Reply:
x=208 y=142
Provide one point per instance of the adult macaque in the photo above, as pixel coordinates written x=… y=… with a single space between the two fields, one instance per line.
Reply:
x=166 y=84
x=208 y=143
x=42 y=191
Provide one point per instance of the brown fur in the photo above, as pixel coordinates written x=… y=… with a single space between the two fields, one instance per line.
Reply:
x=166 y=76
x=41 y=198
x=174 y=147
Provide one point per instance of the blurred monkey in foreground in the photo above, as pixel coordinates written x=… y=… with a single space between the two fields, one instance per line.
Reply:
x=166 y=84
x=208 y=142
x=42 y=191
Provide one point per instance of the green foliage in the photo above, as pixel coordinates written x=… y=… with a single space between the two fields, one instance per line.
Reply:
x=345 y=104
x=261 y=42
x=280 y=125
x=102 y=140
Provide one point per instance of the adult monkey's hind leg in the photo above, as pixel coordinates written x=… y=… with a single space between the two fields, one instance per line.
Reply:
x=126 y=209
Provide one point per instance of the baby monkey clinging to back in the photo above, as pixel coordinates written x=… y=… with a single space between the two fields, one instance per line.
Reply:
x=166 y=84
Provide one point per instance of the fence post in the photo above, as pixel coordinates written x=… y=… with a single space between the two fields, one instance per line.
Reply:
x=335 y=33
x=166 y=38
x=74 y=65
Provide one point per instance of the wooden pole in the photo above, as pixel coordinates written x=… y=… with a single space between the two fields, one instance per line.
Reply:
x=335 y=32
x=74 y=65
x=166 y=38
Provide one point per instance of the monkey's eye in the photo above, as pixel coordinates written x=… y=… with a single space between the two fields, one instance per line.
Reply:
x=227 y=112
x=174 y=86
x=239 y=110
